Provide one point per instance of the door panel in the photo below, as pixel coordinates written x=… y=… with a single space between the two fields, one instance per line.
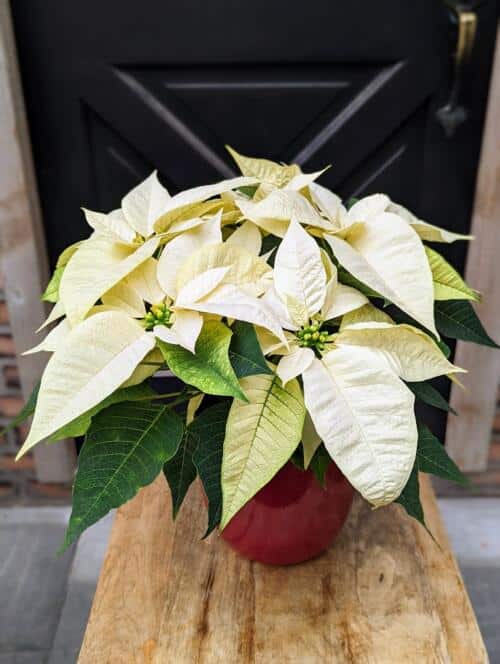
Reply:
x=117 y=89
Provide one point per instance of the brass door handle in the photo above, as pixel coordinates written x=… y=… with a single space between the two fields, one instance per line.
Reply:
x=453 y=113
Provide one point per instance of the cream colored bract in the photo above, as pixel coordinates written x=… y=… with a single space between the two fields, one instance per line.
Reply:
x=266 y=279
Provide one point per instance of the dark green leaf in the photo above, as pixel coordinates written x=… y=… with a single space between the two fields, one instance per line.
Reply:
x=347 y=279
x=410 y=497
x=444 y=348
x=350 y=202
x=249 y=190
x=80 y=425
x=125 y=449
x=400 y=317
x=180 y=471
x=269 y=243
x=26 y=411
x=457 y=319
x=297 y=458
x=433 y=458
x=209 y=369
x=210 y=429
x=245 y=352
x=429 y=395
x=319 y=464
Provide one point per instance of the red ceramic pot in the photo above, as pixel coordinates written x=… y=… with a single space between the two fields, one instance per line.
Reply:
x=292 y=518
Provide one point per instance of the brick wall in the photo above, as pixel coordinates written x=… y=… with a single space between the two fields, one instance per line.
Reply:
x=18 y=482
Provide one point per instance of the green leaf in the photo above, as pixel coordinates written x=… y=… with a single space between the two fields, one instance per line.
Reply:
x=348 y=280
x=124 y=450
x=245 y=352
x=180 y=471
x=311 y=440
x=210 y=430
x=26 y=411
x=410 y=497
x=350 y=202
x=270 y=242
x=445 y=349
x=249 y=190
x=261 y=436
x=401 y=318
x=429 y=395
x=297 y=458
x=319 y=464
x=51 y=293
x=457 y=319
x=432 y=458
x=448 y=284
x=80 y=425
x=209 y=369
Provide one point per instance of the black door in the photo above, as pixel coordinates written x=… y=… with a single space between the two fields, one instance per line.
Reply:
x=117 y=88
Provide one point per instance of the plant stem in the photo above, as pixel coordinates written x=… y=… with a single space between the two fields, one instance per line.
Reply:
x=166 y=395
x=176 y=402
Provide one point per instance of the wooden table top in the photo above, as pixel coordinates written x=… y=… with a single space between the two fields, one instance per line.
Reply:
x=384 y=593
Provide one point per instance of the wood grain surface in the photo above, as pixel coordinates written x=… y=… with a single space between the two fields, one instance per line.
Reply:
x=384 y=593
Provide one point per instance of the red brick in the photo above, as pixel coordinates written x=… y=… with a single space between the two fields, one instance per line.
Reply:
x=23 y=430
x=11 y=377
x=8 y=462
x=10 y=406
x=6 y=490
x=4 y=313
x=494 y=454
x=485 y=478
x=496 y=422
x=7 y=346
x=51 y=491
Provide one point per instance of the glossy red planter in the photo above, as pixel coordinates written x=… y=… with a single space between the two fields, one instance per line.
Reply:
x=293 y=518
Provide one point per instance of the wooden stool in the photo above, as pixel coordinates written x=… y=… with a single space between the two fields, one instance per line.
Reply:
x=384 y=593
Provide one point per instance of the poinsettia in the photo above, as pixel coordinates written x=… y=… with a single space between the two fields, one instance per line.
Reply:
x=383 y=251
x=200 y=274
x=126 y=238
x=352 y=389
x=269 y=293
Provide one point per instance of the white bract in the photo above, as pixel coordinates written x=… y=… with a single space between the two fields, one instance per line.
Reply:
x=202 y=275
x=383 y=251
x=94 y=360
x=274 y=212
x=140 y=208
x=359 y=406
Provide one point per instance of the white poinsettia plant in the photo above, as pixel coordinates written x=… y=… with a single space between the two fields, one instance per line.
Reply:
x=299 y=327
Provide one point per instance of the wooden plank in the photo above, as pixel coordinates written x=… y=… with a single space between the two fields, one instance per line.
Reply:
x=23 y=256
x=468 y=436
x=384 y=587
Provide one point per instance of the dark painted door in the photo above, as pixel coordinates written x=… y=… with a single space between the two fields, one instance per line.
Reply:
x=115 y=89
